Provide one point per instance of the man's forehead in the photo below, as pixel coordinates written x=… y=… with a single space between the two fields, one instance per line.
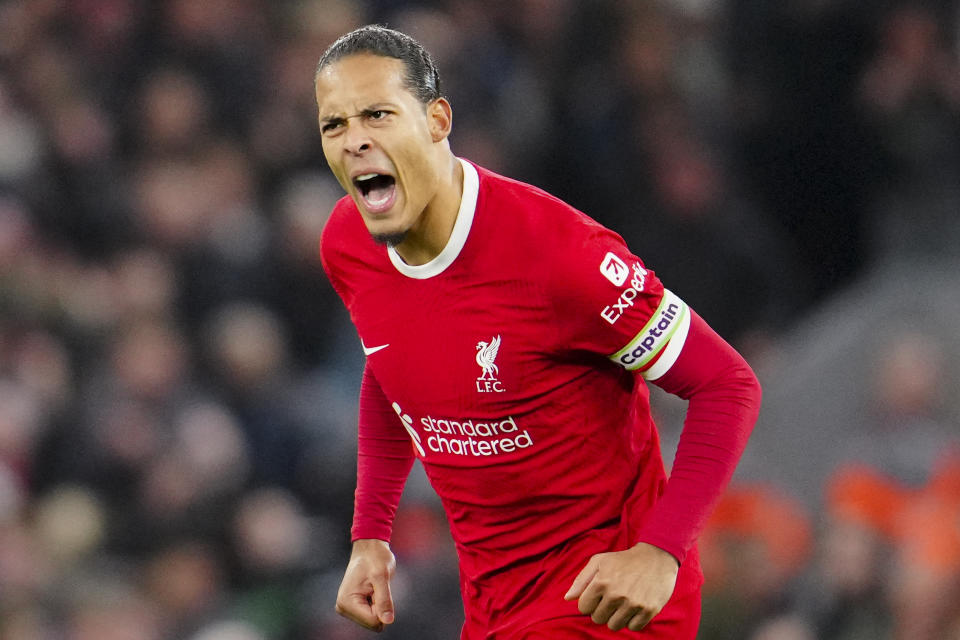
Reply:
x=362 y=76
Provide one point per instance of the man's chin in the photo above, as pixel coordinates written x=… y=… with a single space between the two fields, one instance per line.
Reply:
x=389 y=239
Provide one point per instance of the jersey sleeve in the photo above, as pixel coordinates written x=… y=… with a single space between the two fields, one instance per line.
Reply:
x=610 y=303
x=723 y=397
x=384 y=453
x=384 y=460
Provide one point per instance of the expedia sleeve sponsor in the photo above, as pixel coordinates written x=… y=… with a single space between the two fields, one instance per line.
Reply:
x=663 y=335
x=612 y=313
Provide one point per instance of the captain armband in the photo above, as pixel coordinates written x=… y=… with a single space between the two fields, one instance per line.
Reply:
x=655 y=347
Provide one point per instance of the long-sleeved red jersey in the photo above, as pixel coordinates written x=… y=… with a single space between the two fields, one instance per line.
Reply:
x=512 y=366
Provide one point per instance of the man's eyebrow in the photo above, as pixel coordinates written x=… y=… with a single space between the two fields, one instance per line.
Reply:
x=377 y=106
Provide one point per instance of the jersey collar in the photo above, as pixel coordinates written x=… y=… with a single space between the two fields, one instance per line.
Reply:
x=461 y=229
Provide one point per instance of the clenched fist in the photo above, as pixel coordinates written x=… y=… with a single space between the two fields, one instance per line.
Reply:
x=625 y=589
x=364 y=594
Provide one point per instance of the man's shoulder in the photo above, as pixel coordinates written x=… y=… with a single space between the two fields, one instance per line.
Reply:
x=502 y=188
x=342 y=219
x=526 y=205
x=343 y=229
x=345 y=244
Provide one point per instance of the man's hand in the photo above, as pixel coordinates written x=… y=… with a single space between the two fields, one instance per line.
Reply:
x=625 y=589
x=364 y=595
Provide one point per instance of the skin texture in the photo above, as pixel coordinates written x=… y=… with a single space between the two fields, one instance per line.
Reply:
x=370 y=122
x=364 y=594
x=625 y=589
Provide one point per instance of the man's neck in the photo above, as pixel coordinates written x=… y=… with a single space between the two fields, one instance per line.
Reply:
x=430 y=235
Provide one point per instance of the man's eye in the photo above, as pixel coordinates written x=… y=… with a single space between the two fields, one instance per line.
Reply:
x=330 y=126
x=378 y=114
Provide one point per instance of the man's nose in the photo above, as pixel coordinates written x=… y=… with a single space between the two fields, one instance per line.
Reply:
x=357 y=139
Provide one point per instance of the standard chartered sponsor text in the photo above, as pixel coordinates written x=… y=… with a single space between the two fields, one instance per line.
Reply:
x=473 y=437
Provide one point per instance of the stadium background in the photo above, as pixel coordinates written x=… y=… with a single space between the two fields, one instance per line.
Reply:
x=178 y=381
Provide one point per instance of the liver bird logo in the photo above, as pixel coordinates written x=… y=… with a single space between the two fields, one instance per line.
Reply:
x=486 y=354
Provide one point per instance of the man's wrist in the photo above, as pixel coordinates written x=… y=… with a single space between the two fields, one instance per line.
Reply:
x=658 y=548
x=361 y=544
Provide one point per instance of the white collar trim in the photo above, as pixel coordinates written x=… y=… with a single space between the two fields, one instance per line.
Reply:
x=458 y=237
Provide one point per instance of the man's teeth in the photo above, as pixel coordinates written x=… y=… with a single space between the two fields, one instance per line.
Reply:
x=367 y=176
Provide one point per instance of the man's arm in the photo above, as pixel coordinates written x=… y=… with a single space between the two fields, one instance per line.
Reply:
x=724 y=402
x=384 y=460
x=626 y=589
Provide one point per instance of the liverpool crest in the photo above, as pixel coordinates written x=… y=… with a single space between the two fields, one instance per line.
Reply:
x=486 y=355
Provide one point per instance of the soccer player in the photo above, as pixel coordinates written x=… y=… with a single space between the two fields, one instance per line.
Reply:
x=508 y=338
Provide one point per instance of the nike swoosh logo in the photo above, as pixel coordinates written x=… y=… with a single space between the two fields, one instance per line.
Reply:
x=371 y=350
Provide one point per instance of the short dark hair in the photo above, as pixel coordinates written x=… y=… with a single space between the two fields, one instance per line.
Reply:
x=422 y=79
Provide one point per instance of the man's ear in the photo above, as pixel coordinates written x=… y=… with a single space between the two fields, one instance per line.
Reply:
x=439 y=119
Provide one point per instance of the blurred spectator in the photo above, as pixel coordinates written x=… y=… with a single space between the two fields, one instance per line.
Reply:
x=228 y=630
x=911 y=92
x=784 y=628
x=105 y=602
x=803 y=146
x=185 y=583
x=925 y=582
x=174 y=113
x=248 y=353
x=70 y=526
x=273 y=542
x=847 y=596
x=754 y=547
x=907 y=425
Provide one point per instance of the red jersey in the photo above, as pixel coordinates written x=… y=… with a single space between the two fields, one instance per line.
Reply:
x=509 y=363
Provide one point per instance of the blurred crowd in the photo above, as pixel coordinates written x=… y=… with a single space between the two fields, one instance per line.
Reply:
x=178 y=380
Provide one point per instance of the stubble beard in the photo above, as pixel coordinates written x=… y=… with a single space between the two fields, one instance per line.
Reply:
x=390 y=239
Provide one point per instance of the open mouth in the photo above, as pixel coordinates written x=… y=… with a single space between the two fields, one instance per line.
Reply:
x=377 y=190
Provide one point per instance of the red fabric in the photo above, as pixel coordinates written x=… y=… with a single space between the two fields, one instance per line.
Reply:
x=524 y=601
x=724 y=402
x=551 y=455
x=384 y=460
x=679 y=620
